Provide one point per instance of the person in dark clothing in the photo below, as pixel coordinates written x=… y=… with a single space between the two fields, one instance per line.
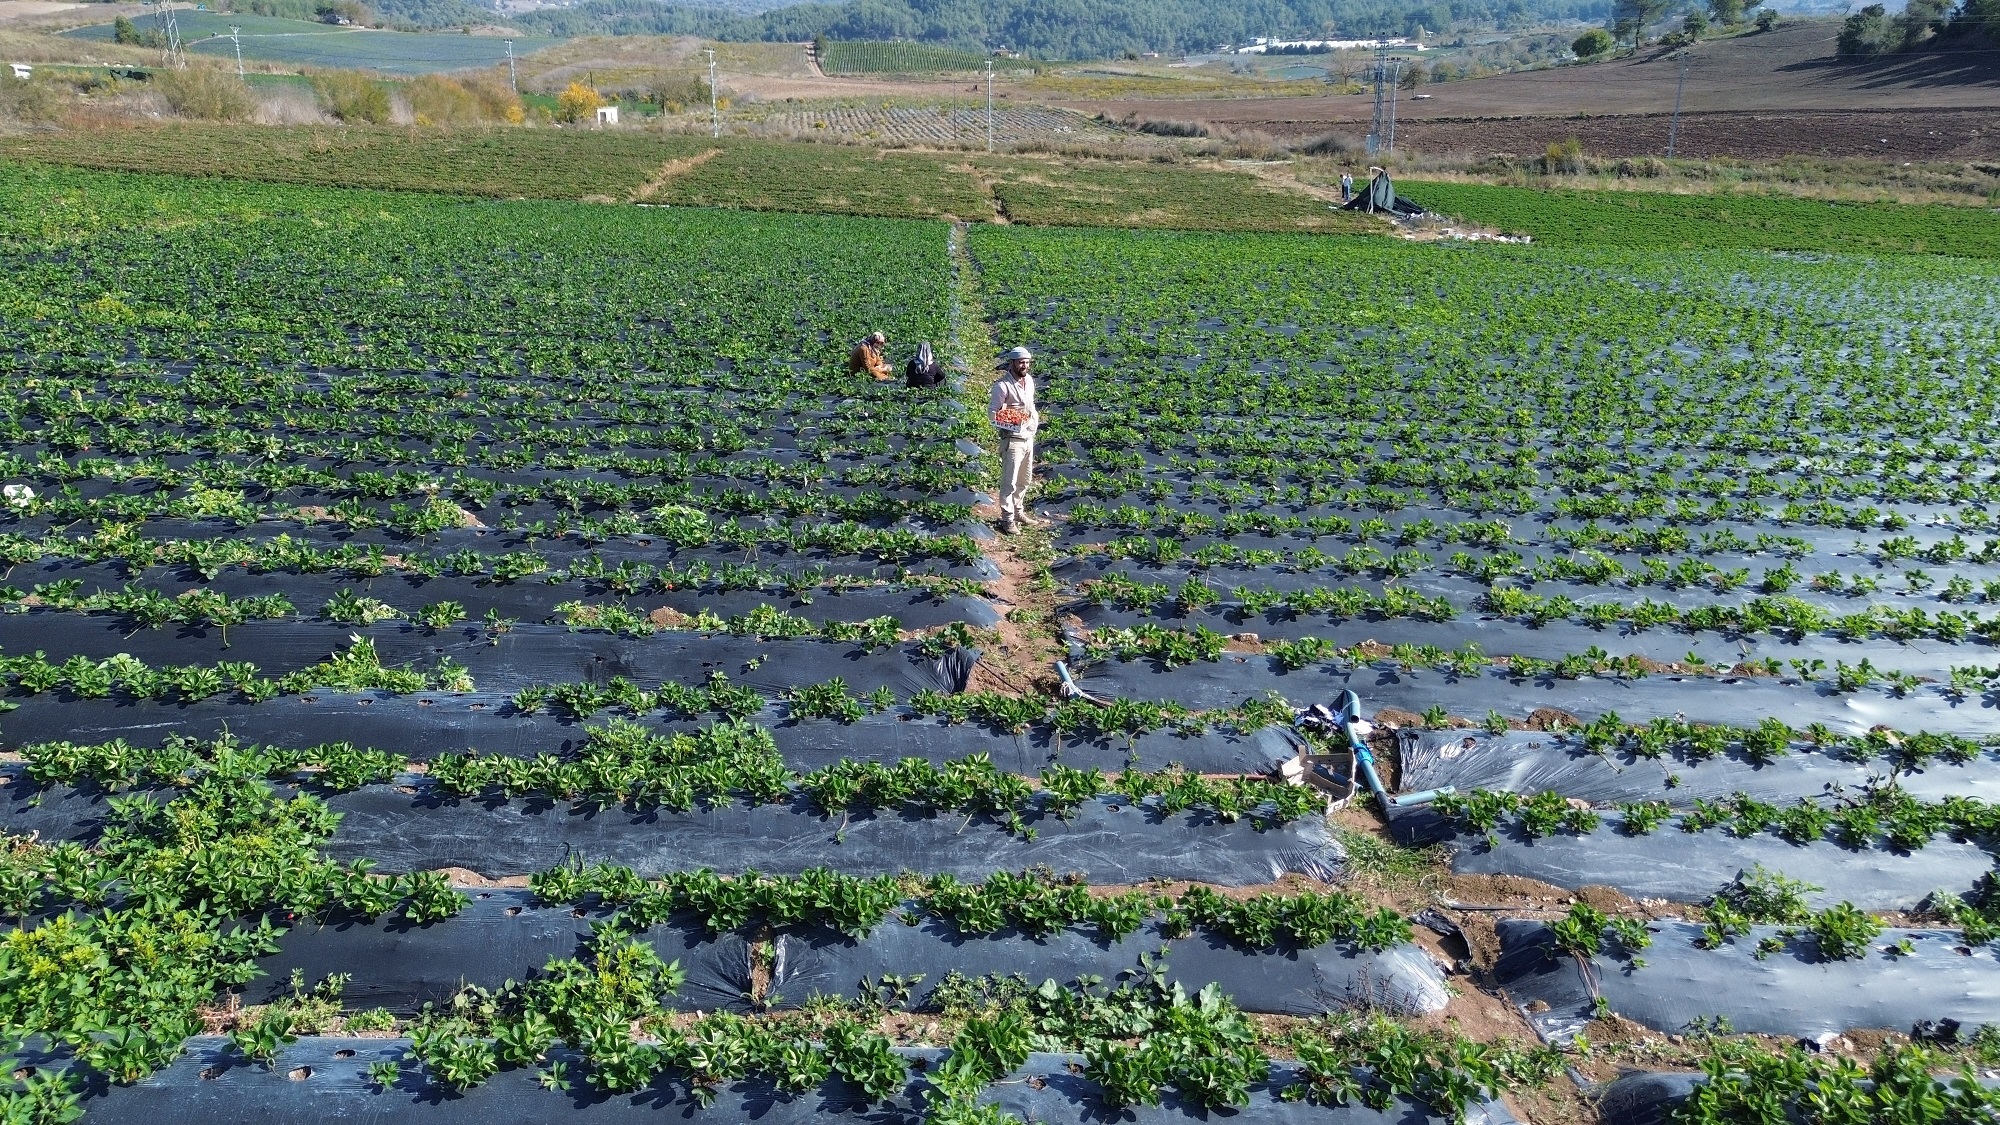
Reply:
x=923 y=370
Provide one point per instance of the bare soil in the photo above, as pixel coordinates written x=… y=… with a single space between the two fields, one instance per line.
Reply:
x=12 y=11
x=1028 y=646
x=1759 y=95
x=1923 y=135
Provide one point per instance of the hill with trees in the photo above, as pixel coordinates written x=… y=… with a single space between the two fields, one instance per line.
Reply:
x=1078 y=29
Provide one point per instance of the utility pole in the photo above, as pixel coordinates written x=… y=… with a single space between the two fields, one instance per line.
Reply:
x=714 y=114
x=1395 y=91
x=513 y=82
x=236 y=37
x=989 y=105
x=1674 y=128
x=1375 y=123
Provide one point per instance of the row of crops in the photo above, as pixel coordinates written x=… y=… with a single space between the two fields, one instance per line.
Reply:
x=471 y=659
x=474 y=658
x=872 y=56
x=1671 y=572
x=952 y=124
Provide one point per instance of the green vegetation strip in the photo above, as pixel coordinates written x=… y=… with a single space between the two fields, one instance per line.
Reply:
x=1034 y=903
x=626 y=764
x=839 y=56
x=504 y=163
x=540 y=163
x=168 y=885
x=1569 y=218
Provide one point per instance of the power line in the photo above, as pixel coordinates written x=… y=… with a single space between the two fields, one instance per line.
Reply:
x=512 y=83
x=236 y=37
x=989 y=105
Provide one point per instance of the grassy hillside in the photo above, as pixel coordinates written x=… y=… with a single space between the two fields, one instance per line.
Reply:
x=630 y=165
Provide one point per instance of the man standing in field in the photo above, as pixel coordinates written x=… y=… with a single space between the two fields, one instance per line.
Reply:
x=867 y=356
x=1012 y=409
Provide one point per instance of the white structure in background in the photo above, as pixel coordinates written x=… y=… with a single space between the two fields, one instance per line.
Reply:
x=22 y=70
x=1261 y=45
x=607 y=115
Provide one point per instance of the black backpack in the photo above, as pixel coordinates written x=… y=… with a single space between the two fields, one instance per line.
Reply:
x=923 y=370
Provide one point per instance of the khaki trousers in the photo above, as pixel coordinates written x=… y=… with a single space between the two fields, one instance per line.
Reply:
x=1017 y=472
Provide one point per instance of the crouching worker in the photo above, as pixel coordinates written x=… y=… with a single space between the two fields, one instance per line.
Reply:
x=867 y=356
x=1012 y=409
x=924 y=370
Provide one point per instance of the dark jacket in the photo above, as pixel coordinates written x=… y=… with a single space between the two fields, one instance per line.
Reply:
x=923 y=370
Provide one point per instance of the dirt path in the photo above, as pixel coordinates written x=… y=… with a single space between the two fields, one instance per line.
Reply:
x=668 y=171
x=1030 y=641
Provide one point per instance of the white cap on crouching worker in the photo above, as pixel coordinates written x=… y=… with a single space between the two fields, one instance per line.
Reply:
x=1007 y=360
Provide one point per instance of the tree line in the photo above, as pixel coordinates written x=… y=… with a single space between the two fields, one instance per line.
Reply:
x=1056 y=29
x=1873 y=31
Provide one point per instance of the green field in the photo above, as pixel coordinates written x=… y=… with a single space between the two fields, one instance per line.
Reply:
x=298 y=43
x=1032 y=190
x=506 y=163
x=1758 y=222
x=870 y=57
x=467 y=658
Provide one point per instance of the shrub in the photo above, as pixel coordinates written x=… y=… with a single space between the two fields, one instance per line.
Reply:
x=1918 y=19
x=577 y=102
x=123 y=30
x=1334 y=144
x=1866 y=32
x=1566 y=156
x=352 y=97
x=1767 y=19
x=1642 y=167
x=437 y=100
x=206 y=94
x=1981 y=16
x=37 y=101
x=1592 y=43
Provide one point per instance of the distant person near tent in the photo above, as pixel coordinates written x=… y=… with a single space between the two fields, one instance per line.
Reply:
x=923 y=370
x=867 y=356
x=1012 y=409
x=1346 y=186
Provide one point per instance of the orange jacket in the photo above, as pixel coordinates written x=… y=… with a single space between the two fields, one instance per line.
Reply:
x=867 y=357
